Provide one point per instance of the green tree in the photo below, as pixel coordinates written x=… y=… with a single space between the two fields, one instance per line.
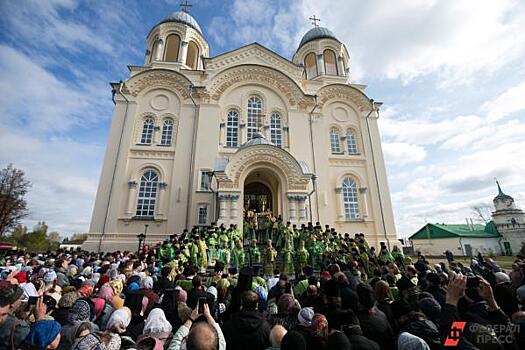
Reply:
x=13 y=206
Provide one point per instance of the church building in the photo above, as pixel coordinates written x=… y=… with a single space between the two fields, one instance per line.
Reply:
x=197 y=139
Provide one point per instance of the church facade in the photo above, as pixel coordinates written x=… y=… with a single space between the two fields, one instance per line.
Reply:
x=197 y=139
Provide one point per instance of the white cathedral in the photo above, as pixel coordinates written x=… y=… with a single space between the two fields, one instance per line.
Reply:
x=197 y=139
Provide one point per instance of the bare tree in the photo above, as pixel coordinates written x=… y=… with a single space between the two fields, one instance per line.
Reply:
x=482 y=212
x=13 y=206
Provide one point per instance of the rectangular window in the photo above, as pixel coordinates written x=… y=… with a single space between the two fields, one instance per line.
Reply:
x=203 y=214
x=206 y=177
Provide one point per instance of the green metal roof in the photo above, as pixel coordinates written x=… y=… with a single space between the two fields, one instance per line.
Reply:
x=434 y=231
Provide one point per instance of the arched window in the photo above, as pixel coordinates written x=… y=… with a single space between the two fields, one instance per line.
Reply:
x=350 y=199
x=147 y=131
x=335 y=141
x=276 y=133
x=167 y=132
x=310 y=64
x=232 y=129
x=351 y=143
x=192 y=59
x=172 y=48
x=147 y=197
x=330 y=63
x=254 y=113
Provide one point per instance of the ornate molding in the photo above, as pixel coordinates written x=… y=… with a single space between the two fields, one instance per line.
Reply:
x=273 y=60
x=344 y=161
x=258 y=74
x=151 y=154
x=344 y=93
x=163 y=78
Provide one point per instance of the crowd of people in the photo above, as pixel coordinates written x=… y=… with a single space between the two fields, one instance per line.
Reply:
x=215 y=288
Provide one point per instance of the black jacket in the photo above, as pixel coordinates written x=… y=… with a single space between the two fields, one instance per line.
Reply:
x=247 y=330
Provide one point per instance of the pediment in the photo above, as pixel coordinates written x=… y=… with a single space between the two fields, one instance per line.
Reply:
x=254 y=54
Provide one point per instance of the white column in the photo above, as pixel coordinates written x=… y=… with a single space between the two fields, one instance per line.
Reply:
x=320 y=64
x=339 y=199
x=223 y=198
x=132 y=196
x=222 y=134
x=364 y=211
x=301 y=201
x=292 y=211
x=233 y=209
x=160 y=199
x=183 y=52
x=159 y=50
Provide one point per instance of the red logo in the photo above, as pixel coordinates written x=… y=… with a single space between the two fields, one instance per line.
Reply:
x=455 y=333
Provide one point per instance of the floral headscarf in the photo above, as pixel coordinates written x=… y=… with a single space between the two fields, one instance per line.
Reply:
x=119 y=320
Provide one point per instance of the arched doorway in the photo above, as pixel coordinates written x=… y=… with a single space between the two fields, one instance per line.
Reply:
x=257 y=197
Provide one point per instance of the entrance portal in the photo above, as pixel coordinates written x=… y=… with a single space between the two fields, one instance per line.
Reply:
x=257 y=198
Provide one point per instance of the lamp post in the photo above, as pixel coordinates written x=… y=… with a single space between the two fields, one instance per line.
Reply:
x=145 y=234
x=141 y=237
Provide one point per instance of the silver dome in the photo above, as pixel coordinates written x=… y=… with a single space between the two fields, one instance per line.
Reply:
x=183 y=17
x=258 y=139
x=317 y=33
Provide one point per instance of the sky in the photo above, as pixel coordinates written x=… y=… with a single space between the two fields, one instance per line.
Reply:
x=450 y=74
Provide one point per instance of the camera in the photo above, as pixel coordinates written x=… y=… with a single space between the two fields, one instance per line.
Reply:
x=472 y=282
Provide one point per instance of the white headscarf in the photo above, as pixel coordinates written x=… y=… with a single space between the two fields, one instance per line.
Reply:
x=146 y=282
x=156 y=323
x=119 y=320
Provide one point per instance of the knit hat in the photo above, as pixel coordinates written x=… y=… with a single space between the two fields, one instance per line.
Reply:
x=407 y=341
x=213 y=291
x=305 y=316
x=430 y=307
x=68 y=300
x=9 y=293
x=43 y=333
x=501 y=277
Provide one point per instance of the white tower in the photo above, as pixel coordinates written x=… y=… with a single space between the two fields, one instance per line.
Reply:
x=510 y=221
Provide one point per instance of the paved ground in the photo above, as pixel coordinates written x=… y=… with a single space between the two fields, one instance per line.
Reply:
x=504 y=261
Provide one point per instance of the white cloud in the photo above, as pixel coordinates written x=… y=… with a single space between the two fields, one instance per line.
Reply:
x=31 y=95
x=510 y=101
x=63 y=173
x=402 y=153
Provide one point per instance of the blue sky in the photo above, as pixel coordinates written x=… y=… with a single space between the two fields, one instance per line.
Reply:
x=451 y=75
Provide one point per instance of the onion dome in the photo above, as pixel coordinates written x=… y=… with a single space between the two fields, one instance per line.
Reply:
x=257 y=139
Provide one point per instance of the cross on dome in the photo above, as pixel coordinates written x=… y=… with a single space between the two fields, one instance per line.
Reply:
x=185 y=6
x=315 y=20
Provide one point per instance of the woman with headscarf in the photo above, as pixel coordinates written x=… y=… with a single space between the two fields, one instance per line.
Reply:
x=98 y=341
x=44 y=335
x=146 y=287
x=287 y=310
x=136 y=303
x=81 y=315
x=119 y=320
x=64 y=304
x=105 y=293
x=157 y=326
